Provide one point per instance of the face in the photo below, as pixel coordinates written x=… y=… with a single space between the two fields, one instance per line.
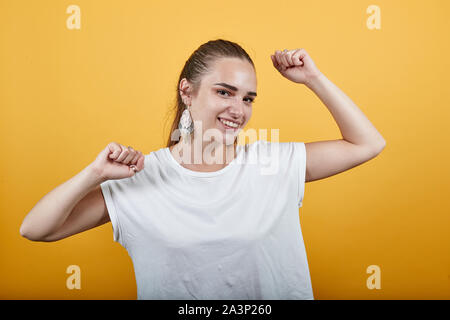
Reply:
x=224 y=99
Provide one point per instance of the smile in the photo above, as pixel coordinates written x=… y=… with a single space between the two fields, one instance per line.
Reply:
x=229 y=124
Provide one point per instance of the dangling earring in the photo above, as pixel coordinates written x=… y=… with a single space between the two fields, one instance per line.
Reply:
x=186 y=126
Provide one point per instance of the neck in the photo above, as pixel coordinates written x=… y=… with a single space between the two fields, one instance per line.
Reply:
x=203 y=155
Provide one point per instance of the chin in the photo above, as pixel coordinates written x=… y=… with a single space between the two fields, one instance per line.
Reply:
x=230 y=138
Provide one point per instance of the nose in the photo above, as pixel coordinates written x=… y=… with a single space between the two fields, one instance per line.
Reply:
x=237 y=110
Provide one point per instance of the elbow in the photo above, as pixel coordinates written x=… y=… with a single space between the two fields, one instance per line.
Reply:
x=378 y=147
x=382 y=145
x=25 y=233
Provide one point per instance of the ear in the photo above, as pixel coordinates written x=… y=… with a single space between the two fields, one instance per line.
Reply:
x=185 y=89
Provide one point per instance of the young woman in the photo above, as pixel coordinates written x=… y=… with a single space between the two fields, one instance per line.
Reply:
x=201 y=218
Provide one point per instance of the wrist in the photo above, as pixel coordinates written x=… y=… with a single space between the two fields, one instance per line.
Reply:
x=94 y=174
x=315 y=80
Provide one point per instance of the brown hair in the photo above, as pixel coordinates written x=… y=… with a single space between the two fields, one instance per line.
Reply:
x=197 y=65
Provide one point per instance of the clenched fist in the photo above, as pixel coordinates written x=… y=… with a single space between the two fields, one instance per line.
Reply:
x=295 y=65
x=117 y=162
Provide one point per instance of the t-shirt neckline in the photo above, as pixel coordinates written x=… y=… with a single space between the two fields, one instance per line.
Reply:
x=182 y=169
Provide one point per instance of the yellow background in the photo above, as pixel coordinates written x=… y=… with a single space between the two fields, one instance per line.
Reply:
x=65 y=94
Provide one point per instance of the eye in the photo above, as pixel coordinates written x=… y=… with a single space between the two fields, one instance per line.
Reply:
x=250 y=100
x=222 y=91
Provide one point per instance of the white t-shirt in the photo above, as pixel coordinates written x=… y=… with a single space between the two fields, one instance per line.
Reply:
x=230 y=234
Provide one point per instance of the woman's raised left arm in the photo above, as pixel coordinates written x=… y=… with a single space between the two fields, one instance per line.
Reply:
x=361 y=140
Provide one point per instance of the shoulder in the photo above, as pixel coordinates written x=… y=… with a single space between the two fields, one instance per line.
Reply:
x=159 y=158
x=274 y=157
x=263 y=148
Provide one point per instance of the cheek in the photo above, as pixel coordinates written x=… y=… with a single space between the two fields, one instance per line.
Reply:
x=248 y=115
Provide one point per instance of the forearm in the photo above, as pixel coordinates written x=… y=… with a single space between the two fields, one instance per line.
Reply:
x=49 y=214
x=353 y=124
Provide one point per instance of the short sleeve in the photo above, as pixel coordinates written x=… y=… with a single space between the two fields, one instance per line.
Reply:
x=109 y=196
x=300 y=156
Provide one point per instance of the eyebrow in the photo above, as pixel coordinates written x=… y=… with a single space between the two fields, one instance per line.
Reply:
x=250 y=93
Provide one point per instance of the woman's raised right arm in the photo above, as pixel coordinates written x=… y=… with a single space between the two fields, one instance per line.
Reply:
x=77 y=204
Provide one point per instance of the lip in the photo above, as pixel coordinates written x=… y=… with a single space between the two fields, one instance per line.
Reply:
x=239 y=123
x=227 y=127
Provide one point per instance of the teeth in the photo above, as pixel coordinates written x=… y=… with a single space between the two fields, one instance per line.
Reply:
x=229 y=123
